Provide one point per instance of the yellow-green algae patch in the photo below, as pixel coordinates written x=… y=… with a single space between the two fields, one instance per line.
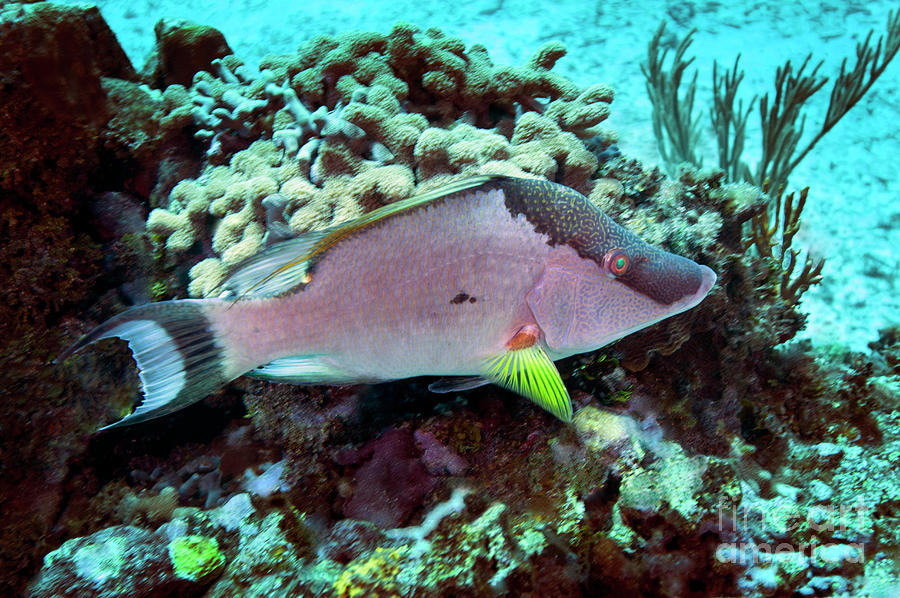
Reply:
x=195 y=557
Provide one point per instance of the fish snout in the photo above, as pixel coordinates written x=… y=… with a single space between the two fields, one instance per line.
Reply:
x=707 y=281
x=701 y=280
x=670 y=279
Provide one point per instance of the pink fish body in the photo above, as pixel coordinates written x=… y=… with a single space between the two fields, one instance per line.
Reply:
x=493 y=277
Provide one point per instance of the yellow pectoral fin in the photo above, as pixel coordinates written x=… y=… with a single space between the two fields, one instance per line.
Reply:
x=529 y=371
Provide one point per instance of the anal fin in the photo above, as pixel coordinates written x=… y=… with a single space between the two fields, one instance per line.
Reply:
x=527 y=370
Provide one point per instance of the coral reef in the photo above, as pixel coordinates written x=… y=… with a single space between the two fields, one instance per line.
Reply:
x=129 y=560
x=343 y=127
x=698 y=446
x=74 y=123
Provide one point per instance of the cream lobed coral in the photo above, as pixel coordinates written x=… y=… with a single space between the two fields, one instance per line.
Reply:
x=358 y=120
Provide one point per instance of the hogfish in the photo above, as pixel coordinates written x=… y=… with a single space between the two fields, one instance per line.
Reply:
x=490 y=279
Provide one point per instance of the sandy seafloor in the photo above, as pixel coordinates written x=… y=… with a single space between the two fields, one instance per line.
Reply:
x=852 y=216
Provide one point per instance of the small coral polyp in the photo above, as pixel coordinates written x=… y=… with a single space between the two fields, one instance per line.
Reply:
x=359 y=120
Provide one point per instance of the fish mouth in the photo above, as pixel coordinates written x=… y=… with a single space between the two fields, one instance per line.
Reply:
x=708 y=279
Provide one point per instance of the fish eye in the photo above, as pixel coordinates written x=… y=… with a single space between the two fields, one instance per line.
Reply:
x=616 y=262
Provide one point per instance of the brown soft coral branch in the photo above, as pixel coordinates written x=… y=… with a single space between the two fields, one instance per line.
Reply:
x=773 y=241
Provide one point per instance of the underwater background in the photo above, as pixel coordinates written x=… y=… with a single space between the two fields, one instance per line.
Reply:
x=748 y=447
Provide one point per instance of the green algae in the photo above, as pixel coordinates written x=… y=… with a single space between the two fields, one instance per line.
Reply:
x=195 y=557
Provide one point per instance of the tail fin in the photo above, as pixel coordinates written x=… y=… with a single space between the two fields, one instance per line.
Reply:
x=178 y=357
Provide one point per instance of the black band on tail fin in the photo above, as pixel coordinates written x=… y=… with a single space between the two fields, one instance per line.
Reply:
x=178 y=357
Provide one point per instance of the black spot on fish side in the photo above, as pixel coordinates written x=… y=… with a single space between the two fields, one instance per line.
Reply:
x=472 y=300
x=460 y=298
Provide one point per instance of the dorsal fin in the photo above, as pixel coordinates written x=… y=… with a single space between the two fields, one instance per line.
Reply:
x=252 y=278
x=303 y=252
